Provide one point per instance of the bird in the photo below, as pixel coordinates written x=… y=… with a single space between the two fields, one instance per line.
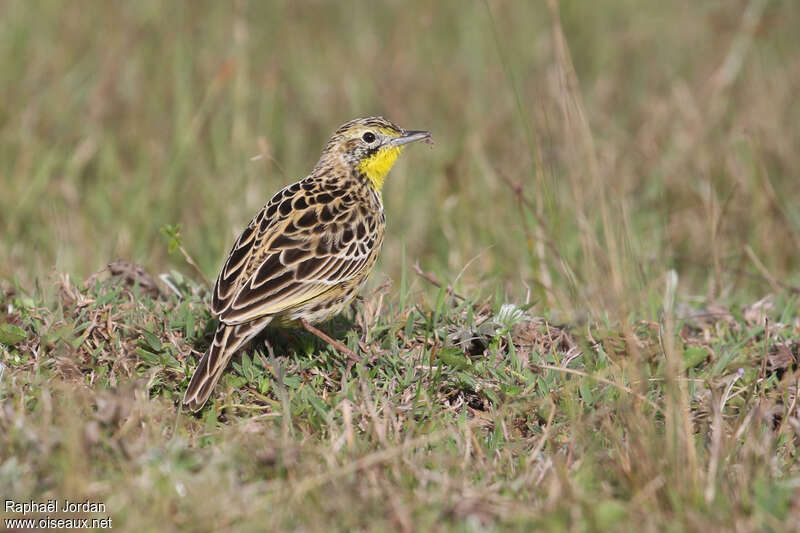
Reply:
x=308 y=251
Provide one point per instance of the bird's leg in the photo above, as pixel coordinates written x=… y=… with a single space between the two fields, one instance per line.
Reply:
x=330 y=340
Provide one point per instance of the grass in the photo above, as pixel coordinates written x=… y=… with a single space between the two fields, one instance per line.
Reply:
x=585 y=316
x=464 y=414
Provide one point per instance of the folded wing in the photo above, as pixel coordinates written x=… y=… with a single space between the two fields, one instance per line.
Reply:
x=293 y=251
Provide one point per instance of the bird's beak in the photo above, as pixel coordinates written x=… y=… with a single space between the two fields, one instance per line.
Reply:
x=410 y=136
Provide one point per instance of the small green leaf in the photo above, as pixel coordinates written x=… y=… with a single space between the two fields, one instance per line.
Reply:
x=263 y=384
x=292 y=382
x=319 y=406
x=585 y=390
x=694 y=355
x=172 y=234
x=609 y=513
x=152 y=340
x=147 y=356
x=491 y=396
x=11 y=334
x=188 y=323
x=107 y=297
x=511 y=390
x=453 y=357
x=467 y=381
x=236 y=382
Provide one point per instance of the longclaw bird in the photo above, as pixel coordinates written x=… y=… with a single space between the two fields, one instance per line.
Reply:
x=306 y=254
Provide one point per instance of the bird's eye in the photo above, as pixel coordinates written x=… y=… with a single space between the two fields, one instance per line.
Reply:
x=368 y=137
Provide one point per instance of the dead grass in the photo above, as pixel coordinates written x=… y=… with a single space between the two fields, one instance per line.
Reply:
x=470 y=414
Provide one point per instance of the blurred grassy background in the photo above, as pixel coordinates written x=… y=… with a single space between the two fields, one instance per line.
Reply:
x=120 y=117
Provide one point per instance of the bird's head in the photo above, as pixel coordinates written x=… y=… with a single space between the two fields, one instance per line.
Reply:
x=370 y=146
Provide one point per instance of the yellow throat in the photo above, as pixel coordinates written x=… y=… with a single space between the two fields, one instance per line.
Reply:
x=378 y=165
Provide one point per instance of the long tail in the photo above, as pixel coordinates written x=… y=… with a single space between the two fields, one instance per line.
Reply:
x=227 y=339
